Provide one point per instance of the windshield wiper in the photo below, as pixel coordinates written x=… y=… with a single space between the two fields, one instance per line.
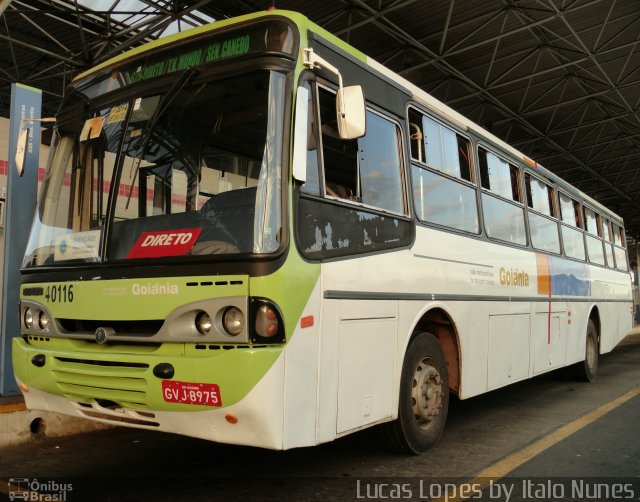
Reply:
x=184 y=79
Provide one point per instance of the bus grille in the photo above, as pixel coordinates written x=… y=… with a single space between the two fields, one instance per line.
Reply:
x=86 y=380
x=129 y=328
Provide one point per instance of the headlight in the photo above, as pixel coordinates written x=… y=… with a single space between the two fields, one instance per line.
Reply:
x=28 y=318
x=203 y=322
x=233 y=321
x=43 y=320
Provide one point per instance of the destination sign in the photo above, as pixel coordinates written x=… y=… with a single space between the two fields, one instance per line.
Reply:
x=265 y=37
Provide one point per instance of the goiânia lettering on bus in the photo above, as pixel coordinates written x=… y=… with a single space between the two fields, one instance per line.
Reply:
x=513 y=277
x=154 y=288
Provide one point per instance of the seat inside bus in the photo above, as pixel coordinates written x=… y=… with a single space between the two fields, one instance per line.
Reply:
x=226 y=221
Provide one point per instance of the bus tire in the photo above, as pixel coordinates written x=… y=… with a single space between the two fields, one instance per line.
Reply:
x=585 y=371
x=424 y=398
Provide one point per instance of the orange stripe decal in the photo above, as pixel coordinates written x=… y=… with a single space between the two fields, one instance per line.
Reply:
x=544 y=277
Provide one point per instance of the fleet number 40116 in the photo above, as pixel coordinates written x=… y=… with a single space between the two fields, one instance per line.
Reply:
x=59 y=294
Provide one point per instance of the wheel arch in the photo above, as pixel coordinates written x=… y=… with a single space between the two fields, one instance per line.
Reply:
x=437 y=321
x=594 y=315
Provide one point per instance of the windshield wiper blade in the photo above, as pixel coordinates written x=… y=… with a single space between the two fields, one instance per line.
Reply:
x=184 y=79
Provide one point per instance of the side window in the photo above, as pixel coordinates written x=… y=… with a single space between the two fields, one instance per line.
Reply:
x=351 y=183
x=572 y=236
x=569 y=211
x=542 y=223
x=367 y=170
x=619 y=248
x=445 y=150
x=595 y=247
x=539 y=195
x=591 y=221
x=498 y=176
x=340 y=157
x=443 y=188
x=503 y=212
x=607 y=239
x=380 y=174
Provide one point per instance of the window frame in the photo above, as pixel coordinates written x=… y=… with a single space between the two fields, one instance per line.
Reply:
x=574 y=200
x=487 y=191
x=421 y=164
x=588 y=234
x=400 y=141
x=579 y=227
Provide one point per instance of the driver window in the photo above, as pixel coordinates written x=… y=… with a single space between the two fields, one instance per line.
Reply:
x=367 y=170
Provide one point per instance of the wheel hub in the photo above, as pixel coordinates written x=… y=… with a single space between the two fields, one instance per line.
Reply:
x=426 y=393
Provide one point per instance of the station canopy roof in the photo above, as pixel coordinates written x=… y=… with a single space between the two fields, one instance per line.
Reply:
x=557 y=79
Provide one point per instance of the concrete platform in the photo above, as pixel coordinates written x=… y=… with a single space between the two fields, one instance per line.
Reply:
x=19 y=425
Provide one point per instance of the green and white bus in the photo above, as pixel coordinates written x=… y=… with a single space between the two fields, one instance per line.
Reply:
x=252 y=233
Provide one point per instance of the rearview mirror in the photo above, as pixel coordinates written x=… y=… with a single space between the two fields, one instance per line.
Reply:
x=351 y=112
x=21 y=151
x=23 y=137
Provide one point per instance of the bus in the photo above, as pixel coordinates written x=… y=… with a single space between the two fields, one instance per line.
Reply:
x=252 y=233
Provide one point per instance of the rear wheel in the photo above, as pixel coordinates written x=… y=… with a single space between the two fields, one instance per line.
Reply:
x=424 y=398
x=585 y=371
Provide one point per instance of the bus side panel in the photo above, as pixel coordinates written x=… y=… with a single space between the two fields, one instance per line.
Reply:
x=301 y=376
x=328 y=384
x=366 y=342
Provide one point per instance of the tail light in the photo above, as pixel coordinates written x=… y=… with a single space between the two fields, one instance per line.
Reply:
x=266 y=322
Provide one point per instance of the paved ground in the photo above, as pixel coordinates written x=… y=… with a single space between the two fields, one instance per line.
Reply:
x=528 y=429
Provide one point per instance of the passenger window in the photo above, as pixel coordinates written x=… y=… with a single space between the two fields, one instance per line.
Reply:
x=608 y=245
x=366 y=170
x=595 y=249
x=618 y=248
x=503 y=219
x=591 y=221
x=617 y=236
x=444 y=200
x=573 y=241
x=543 y=229
x=594 y=244
x=498 y=176
x=606 y=230
x=539 y=195
x=441 y=148
x=572 y=237
x=569 y=211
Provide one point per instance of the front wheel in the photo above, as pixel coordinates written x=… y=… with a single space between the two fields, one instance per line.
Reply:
x=424 y=398
x=585 y=371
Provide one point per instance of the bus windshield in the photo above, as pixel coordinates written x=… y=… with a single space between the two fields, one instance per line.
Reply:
x=192 y=170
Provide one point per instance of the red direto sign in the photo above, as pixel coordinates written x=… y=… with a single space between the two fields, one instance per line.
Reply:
x=164 y=243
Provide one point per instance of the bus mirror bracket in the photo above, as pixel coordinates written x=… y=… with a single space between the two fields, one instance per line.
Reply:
x=21 y=146
x=300 y=135
x=350 y=107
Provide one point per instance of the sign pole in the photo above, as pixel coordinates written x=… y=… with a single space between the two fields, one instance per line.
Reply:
x=26 y=104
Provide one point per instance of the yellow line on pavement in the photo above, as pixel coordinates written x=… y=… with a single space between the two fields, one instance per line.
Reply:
x=503 y=467
x=12 y=407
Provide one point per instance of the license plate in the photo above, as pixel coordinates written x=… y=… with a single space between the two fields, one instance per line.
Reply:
x=201 y=394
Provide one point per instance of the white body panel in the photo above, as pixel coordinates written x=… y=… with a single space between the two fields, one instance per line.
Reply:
x=506 y=333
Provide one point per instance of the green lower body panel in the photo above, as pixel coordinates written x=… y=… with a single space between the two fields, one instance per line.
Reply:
x=222 y=393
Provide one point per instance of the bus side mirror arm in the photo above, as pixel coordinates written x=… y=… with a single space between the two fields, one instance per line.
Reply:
x=350 y=108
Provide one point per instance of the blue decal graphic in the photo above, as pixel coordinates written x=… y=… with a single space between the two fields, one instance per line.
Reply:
x=569 y=278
